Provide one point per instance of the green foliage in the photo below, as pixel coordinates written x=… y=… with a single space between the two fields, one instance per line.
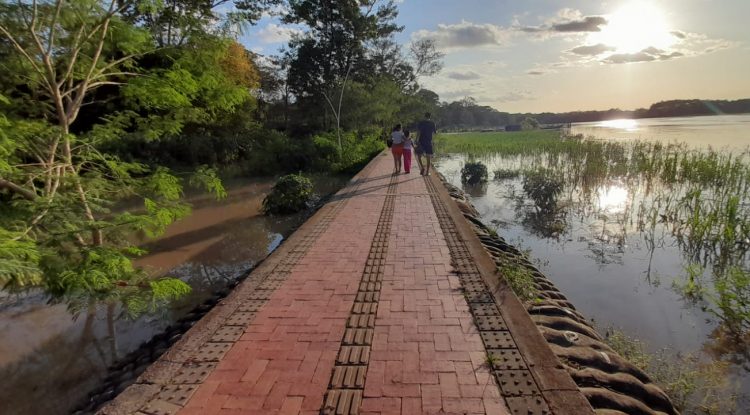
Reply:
x=543 y=188
x=474 y=173
x=521 y=281
x=59 y=182
x=358 y=149
x=290 y=194
x=19 y=260
x=728 y=298
x=695 y=386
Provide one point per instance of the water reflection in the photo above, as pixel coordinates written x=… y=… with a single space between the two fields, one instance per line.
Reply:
x=621 y=124
x=613 y=198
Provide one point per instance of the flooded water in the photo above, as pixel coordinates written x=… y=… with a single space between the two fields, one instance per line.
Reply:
x=50 y=361
x=720 y=131
x=617 y=233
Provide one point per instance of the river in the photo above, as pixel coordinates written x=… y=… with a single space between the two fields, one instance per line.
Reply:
x=51 y=360
x=601 y=247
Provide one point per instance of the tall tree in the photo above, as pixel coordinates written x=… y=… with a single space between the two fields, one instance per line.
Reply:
x=173 y=22
x=56 y=186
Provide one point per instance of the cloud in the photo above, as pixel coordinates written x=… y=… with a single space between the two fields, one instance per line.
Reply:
x=591 y=50
x=686 y=45
x=535 y=72
x=678 y=34
x=629 y=57
x=587 y=24
x=273 y=33
x=463 y=76
x=565 y=22
x=646 y=55
x=465 y=35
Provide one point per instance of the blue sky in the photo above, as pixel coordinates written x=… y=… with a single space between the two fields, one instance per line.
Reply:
x=536 y=55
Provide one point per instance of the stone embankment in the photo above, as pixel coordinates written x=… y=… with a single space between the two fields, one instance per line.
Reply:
x=612 y=384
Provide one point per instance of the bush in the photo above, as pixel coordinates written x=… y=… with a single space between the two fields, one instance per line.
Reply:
x=474 y=173
x=358 y=149
x=543 y=189
x=289 y=195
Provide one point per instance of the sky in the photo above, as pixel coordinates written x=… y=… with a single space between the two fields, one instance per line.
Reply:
x=557 y=56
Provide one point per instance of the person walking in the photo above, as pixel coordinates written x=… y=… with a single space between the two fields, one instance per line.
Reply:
x=397 y=149
x=407 y=152
x=425 y=129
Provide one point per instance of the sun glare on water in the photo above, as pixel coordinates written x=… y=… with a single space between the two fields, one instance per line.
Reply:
x=613 y=199
x=635 y=27
x=622 y=124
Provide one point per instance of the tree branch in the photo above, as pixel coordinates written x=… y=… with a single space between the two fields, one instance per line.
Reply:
x=26 y=193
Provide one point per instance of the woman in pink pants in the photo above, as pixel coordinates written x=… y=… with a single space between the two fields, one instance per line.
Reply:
x=407 y=152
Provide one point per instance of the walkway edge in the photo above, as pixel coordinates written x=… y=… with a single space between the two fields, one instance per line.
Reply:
x=559 y=389
x=161 y=372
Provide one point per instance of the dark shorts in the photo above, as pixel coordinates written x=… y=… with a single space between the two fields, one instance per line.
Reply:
x=424 y=148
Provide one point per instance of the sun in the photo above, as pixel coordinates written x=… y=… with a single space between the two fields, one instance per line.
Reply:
x=635 y=27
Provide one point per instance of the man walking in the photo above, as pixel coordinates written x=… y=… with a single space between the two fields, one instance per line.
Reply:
x=425 y=129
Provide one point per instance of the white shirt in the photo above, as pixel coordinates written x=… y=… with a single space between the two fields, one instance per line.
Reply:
x=397 y=137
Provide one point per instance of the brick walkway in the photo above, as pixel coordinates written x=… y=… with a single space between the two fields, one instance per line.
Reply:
x=364 y=314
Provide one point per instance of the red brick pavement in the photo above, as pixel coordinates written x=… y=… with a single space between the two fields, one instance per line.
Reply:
x=427 y=356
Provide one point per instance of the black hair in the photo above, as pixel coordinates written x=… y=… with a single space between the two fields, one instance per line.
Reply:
x=427 y=115
x=406 y=133
x=397 y=127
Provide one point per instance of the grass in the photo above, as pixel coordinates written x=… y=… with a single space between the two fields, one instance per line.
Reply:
x=484 y=143
x=695 y=386
x=521 y=281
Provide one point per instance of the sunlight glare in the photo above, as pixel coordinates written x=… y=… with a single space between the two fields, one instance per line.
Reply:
x=621 y=124
x=636 y=26
x=613 y=198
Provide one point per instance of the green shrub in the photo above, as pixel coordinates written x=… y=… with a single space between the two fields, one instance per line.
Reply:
x=474 y=173
x=289 y=195
x=543 y=189
x=358 y=148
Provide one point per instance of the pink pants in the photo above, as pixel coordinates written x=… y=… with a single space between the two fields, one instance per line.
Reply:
x=407 y=160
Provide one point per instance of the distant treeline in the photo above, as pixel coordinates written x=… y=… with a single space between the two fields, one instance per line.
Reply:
x=466 y=114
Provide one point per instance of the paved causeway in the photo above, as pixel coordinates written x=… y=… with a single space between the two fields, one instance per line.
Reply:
x=377 y=305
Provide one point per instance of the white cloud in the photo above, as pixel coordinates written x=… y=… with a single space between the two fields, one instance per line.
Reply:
x=273 y=33
x=465 y=35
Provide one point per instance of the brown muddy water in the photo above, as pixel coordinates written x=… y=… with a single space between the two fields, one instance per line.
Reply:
x=615 y=241
x=50 y=360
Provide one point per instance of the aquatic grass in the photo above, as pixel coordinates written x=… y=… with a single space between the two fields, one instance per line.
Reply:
x=695 y=386
x=699 y=197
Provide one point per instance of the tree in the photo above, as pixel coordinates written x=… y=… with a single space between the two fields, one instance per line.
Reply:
x=333 y=50
x=173 y=22
x=529 y=123
x=427 y=59
x=56 y=226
